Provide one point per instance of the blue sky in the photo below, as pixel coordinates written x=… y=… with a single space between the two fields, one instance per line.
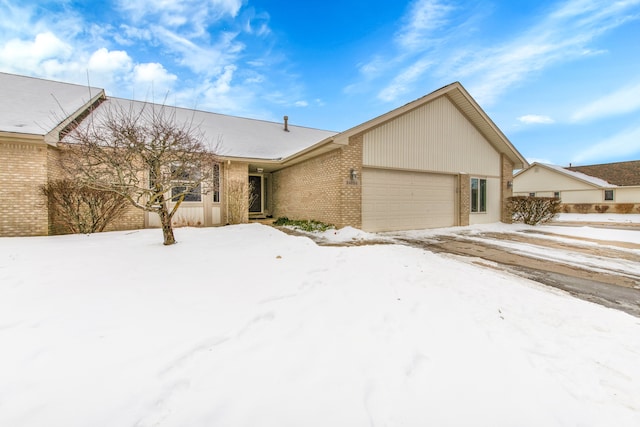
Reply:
x=560 y=78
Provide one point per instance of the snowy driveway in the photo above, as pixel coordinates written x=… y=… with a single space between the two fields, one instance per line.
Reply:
x=605 y=272
x=599 y=265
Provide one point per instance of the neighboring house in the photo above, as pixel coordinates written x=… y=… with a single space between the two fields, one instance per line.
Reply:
x=612 y=187
x=438 y=161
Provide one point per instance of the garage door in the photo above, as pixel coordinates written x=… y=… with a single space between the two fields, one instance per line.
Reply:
x=398 y=200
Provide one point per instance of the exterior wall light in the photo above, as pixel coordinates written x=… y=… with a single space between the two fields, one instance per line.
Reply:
x=509 y=184
x=353 y=174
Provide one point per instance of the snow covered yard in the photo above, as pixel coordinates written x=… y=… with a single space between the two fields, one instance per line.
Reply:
x=247 y=326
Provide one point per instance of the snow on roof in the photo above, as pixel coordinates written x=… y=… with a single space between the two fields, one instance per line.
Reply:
x=36 y=106
x=237 y=136
x=579 y=175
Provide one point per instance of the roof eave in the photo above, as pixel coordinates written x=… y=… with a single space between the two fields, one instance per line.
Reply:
x=324 y=146
x=21 y=137
x=569 y=175
x=53 y=136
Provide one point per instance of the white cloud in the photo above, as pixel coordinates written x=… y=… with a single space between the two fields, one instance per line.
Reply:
x=431 y=30
x=624 y=144
x=562 y=36
x=22 y=55
x=624 y=100
x=128 y=35
x=535 y=119
x=301 y=104
x=223 y=83
x=400 y=84
x=105 y=61
x=193 y=15
x=155 y=78
x=206 y=59
x=423 y=19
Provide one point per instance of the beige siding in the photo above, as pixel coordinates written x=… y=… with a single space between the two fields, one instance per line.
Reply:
x=627 y=195
x=620 y=195
x=401 y=200
x=435 y=137
x=539 y=179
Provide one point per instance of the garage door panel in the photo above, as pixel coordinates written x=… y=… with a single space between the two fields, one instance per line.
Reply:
x=400 y=200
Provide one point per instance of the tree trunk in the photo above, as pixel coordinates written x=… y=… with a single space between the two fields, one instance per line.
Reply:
x=167 y=229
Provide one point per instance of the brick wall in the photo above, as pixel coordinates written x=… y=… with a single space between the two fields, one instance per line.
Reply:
x=322 y=188
x=351 y=193
x=309 y=190
x=505 y=189
x=23 y=210
x=131 y=219
x=464 y=199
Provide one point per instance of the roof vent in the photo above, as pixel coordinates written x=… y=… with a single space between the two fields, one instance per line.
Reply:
x=286 y=123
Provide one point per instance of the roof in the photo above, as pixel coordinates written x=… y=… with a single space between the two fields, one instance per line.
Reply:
x=37 y=106
x=621 y=173
x=458 y=95
x=235 y=136
x=597 y=182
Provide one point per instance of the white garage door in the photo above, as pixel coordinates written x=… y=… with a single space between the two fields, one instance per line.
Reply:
x=398 y=200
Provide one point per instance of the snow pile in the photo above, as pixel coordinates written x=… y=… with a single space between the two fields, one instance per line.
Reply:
x=245 y=326
x=346 y=234
x=600 y=217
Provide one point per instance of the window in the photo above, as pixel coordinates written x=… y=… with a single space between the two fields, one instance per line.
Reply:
x=608 y=195
x=186 y=180
x=190 y=194
x=478 y=195
x=556 y=194
x=532 y=194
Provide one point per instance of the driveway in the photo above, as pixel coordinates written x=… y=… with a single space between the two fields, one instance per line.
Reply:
x=607 y=273
x=603 y=272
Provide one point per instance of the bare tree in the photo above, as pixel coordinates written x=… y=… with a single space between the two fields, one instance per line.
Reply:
x=144 y=153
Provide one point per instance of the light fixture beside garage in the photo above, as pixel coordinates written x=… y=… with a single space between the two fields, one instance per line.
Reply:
x=353 y=174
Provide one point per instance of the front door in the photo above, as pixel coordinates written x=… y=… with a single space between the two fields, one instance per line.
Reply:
x=255 y=196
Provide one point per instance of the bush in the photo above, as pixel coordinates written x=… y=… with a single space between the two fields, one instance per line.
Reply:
x=601 y=208
x=624 y=208
x=533 y=210
x=239 y=198
x=309 y=225
x=76 y=208
x=582 y=208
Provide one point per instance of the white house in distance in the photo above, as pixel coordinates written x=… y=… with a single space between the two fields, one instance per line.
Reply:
x=611 y=187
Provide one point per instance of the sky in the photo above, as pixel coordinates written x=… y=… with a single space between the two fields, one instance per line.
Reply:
x=561 y=79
